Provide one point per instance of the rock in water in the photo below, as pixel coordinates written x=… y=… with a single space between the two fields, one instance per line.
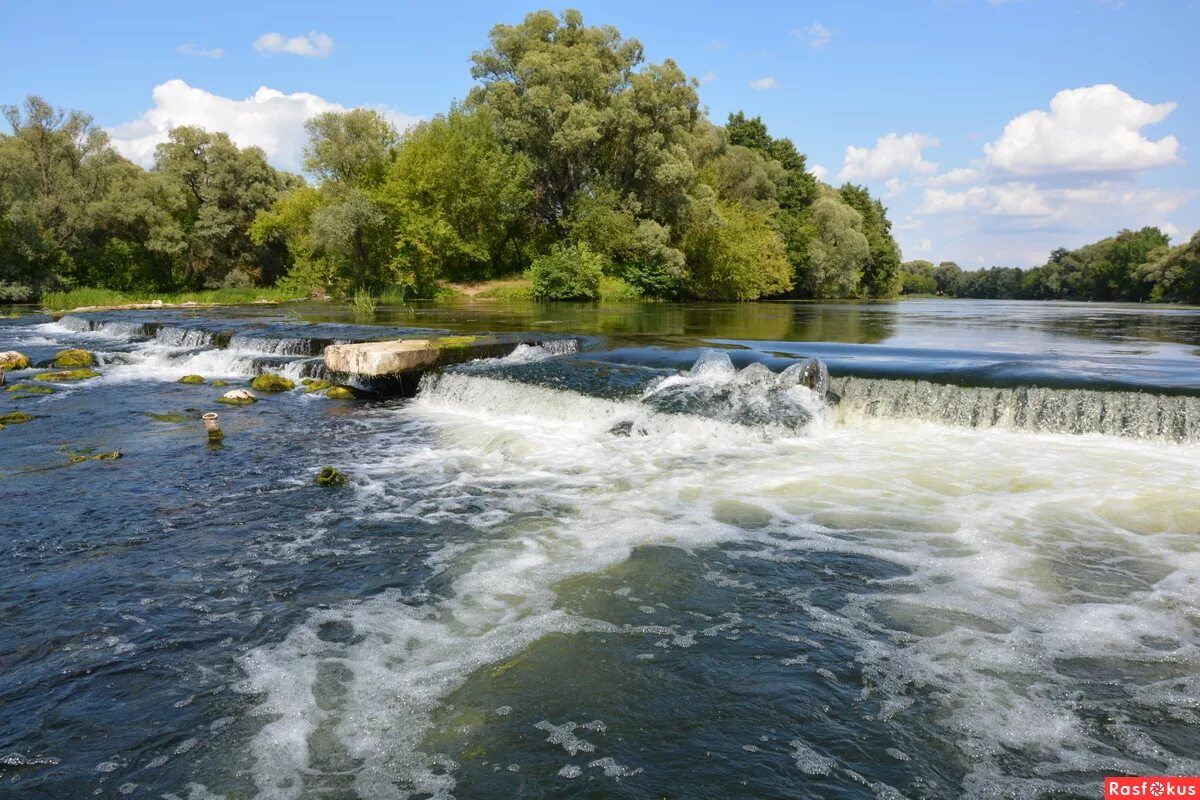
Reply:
x=811 y=373
x=238 y=397
x=340 y=393
x=11 y=360
x=81 y=374
x=330 y=476
x=270 y=382
x=68 y=359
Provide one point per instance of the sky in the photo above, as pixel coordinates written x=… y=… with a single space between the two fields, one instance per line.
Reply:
x=994 y=130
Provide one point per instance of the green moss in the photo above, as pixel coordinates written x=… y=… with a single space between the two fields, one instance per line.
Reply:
x=318 y=385
x=13 y=360
x=67 y=375
x=192 y=379
x=30 y=388
x=330 y=476
x=14 y=418
x=173 y=418
x=340 y=393
x=76 y=458
x=270 y=382
x=452 y=342
x=237 y=399
x=74 y=357
x=307 y=381
x=220 y=383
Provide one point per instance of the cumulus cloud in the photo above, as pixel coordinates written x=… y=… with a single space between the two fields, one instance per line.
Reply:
x=1094 y=129
x=708 y=77
x=895 y=186
x=955 y=177
x=764 y=83
x=815 y=35
x=314 y=45
x=1024 y=199
x=818 y=170
x=892 y=155
x=268 y=119
x=190 y=49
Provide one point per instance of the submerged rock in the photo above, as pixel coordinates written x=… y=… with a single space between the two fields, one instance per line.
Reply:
x=74 y=357
x=341 y=393
x=173 y=418
x=316 y=385
x=12 y=360
x=330 y=476
x=192 y=379
x=270 y=382
x=238 y=397
x=30 y=388
x=76 y=458
x=14 y=418
x=220 y=383
x=67 y=375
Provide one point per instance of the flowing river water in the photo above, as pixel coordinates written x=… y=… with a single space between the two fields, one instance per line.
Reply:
x=640 y=562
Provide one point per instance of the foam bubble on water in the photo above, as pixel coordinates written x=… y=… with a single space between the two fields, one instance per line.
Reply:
x=564 y=736
x=570 y=771
x=809 y=761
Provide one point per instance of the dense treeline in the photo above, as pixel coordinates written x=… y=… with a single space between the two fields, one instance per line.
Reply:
x=571 y=160
x=1133 y=266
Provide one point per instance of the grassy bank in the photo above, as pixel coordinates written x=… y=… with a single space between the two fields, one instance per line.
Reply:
x=612 y=290
x=81 y=298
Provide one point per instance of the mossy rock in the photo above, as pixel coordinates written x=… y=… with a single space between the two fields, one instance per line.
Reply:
x=340 y=393
x=12 y=360
x=192 y=379
x=453 y=342
x=30 y=388
x=74 y=357
x=307 y=381
x=220 y=383
x=238 y=397
x=172 y=418
x=76 y=458
x=270 y=382
x=14 y=418
x=330 y=476
x=311 y=385
x=67 y=375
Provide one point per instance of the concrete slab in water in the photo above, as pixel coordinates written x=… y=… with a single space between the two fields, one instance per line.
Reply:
x=404 y=356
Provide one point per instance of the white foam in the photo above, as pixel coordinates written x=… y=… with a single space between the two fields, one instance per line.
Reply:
x=997 y=530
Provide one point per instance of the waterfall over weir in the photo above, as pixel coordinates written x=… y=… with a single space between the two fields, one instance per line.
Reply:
x=1024 y=408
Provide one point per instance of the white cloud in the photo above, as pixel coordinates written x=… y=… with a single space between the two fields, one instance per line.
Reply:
x=894 y=186
x=190 y=49
x=892 y=155
x=1094 y=129
x=955 y=177
x=1170 y=230
x=708 y=77
x=818 y=171
x=924 y=245
x=764 y=83
x=815 y=35
x=314 y=45
x=268 y=119
x=1074 y=205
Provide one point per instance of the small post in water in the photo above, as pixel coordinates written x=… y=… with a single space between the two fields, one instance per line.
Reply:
x=213 y=426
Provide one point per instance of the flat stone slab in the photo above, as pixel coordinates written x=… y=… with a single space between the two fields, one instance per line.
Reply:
x=405 y=356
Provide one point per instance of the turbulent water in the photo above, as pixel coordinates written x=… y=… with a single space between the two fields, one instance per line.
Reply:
x=591 y=574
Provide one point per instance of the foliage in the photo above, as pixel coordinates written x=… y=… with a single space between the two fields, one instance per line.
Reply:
x=917 y=277
x=736 y=254
x=838 y=251
x=567 y=272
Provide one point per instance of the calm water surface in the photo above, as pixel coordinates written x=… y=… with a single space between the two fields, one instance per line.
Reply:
x=604 y=573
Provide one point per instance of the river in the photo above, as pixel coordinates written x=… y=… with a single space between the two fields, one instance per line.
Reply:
x=643 y=565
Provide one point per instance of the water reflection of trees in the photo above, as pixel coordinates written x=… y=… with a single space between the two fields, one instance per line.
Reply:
x=857 y=323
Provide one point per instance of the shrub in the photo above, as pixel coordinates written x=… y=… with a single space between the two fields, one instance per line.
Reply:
x=567 y=272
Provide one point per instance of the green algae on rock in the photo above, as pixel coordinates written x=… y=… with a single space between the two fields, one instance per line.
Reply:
x=270 y=382
x=12 y=360
x=30 y=388
x=320 y=385
x=75 y=357
x=76 y=458
x=67 y=375
x=238 y=397
x=173 y=418
x=340 y=393
x=192 y=379
x=331 y=476
x=220 y=383
x=14 y=418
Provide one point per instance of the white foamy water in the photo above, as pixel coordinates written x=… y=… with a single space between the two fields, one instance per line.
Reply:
x=1028 y=557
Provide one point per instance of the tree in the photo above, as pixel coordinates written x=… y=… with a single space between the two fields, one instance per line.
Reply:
x=351 y=147
x=881 y=273
x=917 y=277
x=1175 y=273
x=946 y=276
x=734 y=253
x=567 y=272
x=838 y=251
x=458 y=199
x=571 y=99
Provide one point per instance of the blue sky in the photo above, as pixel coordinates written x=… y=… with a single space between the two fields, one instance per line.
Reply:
x=941 y=106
